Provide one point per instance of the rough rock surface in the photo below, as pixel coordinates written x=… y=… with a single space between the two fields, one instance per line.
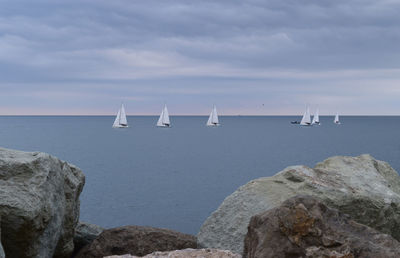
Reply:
x=136 y=240
x=85 y=233
x=305 y=227
x=2 y=255
x=39 y=204
x=186 y=253
x=366 y=189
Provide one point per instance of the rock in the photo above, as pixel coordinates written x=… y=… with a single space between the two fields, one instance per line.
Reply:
x=39 y=204
x=305 y=227
x=366 y=189
x=186 y=253
x=85 y=233
x=2 y=255
x=136 y=240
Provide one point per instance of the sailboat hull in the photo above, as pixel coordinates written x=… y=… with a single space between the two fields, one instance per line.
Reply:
x=120 y=126
x=164 y=126
x=213 y=125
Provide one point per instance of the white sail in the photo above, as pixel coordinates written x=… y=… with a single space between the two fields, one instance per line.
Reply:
x=120 y=119
x=213 y=118
x=116 y=121
x=163 y=120
x=316 y=117
x=160 y=120
x=336 y=121
x=306 y=120
x=166 y=116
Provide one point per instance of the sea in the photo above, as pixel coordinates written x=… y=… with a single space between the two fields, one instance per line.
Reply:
x=176 y=177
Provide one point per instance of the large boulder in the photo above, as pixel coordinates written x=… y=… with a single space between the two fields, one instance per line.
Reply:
x=85 y=233
x=305 y=227
x=136 y=240
x=186 y=253
x=39 y=204
x=366 y=189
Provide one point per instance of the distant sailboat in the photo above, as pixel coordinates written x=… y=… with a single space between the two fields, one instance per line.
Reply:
x=163 y=121
x=306 y=120
x=315 y=120
x=120 y=120
x=336 y=121
x=213 y=119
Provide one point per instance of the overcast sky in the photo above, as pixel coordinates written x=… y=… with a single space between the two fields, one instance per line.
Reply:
x=248 y=57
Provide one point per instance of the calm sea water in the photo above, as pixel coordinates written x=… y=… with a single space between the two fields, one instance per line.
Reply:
x=174 y=178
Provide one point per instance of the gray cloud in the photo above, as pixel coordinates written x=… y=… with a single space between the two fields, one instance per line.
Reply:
x=93 y=54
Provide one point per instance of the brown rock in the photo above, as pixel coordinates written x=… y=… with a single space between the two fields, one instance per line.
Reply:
x=304 y=227
x=186 y=253
x=136 y=240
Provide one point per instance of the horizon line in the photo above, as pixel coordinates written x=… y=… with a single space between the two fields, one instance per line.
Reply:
x=99 y=115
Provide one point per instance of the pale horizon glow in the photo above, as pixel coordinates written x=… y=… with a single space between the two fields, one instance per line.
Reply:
x=248 y=57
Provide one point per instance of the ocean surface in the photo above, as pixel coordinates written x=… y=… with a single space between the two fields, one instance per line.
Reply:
x=175 y=177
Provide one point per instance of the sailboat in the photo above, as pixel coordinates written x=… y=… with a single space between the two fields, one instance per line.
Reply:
x=306 y=120
x=315 y=120
x=163 y=121
x=120 y=120
x=336 y=121
x=213 y=119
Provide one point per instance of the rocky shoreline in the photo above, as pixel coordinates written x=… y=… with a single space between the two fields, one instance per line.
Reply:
x=343 y=207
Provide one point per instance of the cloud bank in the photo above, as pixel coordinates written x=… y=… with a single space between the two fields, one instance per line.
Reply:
x=248 y=57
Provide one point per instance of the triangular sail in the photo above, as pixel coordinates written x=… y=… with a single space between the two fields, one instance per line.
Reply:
x=306 y=120
x=336 y=121
x=209 y=121
x=117 y=118
x=160 y=120
x=122 y=118
x=316 y=117
x=213 y=118
x=166 y=116
x=163 y=120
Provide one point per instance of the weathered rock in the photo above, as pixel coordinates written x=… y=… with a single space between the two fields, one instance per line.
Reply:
x=136 y=240
x=186 y=253
x=2 y=255
x=366 y=189
x=85 y=233
x=305 y=227
x=39 y=204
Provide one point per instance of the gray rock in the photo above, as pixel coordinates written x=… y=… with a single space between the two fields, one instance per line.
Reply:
x=366 y=189
x=39 y=204
x=2 y=255
x=185 y=253
x=85 y=233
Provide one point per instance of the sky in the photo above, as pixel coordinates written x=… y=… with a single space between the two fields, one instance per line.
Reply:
x=249 y=57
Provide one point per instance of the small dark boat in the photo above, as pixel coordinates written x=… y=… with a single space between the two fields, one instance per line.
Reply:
x=295 y=122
